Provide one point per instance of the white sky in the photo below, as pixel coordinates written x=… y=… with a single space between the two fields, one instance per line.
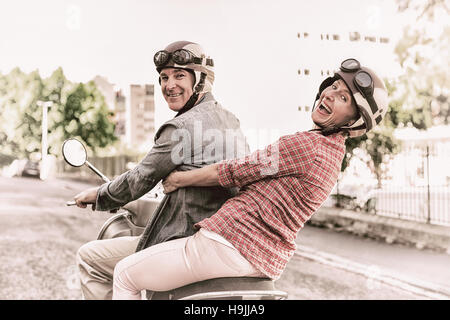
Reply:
x=253 y=43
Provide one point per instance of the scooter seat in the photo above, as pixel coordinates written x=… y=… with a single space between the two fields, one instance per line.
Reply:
x=230 y=288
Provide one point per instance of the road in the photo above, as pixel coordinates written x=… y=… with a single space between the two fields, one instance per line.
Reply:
x=39 y=237
x=386 y=271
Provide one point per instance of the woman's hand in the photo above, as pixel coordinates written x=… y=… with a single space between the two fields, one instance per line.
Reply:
x=204 y=177
x=171 y=182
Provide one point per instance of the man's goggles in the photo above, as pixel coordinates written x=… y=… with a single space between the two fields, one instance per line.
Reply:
x=181 y=57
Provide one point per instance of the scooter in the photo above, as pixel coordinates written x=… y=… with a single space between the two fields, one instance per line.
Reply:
x=131 y=220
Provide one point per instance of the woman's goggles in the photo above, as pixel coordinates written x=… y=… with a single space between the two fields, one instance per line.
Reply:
x=362 y=79
x=363 y=82
x=181 y=57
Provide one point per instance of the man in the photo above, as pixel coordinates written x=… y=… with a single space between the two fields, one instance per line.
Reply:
x=253 y=234
x=182 y=143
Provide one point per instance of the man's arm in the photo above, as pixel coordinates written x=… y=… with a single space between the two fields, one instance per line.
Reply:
x=133 y=184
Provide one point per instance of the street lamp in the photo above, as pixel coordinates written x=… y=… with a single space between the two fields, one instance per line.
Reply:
x=43 y=174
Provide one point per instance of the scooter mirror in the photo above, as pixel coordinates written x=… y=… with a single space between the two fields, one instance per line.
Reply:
x=74 y=152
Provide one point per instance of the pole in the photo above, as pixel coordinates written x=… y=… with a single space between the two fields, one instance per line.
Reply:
x=428 y=185
x=43 y=174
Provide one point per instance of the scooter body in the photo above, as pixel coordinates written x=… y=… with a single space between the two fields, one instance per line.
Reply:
x=131 y=220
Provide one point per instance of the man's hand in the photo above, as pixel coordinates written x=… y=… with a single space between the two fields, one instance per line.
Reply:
x=88 y=196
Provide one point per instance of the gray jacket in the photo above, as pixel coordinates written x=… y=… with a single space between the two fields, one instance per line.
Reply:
x=205 y=134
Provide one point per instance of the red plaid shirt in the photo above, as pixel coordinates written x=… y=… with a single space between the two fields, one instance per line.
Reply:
x=282 y=186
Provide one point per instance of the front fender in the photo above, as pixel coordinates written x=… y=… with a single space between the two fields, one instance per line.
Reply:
x=119 y=225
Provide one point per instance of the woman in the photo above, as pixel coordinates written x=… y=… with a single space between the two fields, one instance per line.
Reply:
x=253 y=233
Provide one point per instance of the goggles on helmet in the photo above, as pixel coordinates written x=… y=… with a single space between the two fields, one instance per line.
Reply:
x=181 y=57
x=362 y=80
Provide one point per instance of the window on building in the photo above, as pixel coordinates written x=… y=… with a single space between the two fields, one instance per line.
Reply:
x=299 y=71
x=305 y=108
x=305 y=34
x=306 y=71
x=149 y=106
x=384 y=40
x=370 y=38
x=354 y=36
x=149 y=90
x=336 y=37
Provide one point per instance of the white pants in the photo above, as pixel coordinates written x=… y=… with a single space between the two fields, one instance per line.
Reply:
x=175 y=263
x=96 y=261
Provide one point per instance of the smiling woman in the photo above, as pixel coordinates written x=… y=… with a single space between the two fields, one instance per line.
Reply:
x=352 y=101
x=335 y=107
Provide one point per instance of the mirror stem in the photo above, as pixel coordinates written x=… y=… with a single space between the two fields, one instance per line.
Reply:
x=101 y=175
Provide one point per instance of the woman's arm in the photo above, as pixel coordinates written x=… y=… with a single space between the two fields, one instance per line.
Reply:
x=203 y=177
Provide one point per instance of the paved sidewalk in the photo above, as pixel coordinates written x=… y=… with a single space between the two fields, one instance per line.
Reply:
x=390 y=230
x=415 y=270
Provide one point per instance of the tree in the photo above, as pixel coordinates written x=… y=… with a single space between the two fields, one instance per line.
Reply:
x=379 y=143
x=85 y=115
x=424 y=55
x=20 y=128
x=419 y=97
x=77 y=110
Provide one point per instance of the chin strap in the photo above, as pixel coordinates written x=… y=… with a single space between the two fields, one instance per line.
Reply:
x=328 y=131
x=193 y=99
x=189 y=104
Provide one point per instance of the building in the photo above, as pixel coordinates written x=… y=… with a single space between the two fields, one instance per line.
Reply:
x=141 y=117
x=116 y=102
x=320 y=53
x=120 y=115
x=107 y=89
x=134 y=121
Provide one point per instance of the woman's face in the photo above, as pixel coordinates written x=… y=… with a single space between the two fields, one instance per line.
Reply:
x=335 y=107
x=176 y=87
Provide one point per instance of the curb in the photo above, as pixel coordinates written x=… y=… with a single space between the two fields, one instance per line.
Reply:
x=391 y=230
x=375 y=273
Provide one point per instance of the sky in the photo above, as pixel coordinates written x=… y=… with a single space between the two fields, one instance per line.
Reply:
x=253 y=43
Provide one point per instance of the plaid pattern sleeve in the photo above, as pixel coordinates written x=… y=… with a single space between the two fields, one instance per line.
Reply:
x=287 y=156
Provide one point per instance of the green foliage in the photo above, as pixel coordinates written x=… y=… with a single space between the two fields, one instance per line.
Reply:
x=85 y=115
x=419 y=97
x=77 y=110
x=20 y=124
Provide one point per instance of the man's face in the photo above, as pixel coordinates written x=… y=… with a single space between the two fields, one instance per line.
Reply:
x=176 y=87
x=335 y=107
